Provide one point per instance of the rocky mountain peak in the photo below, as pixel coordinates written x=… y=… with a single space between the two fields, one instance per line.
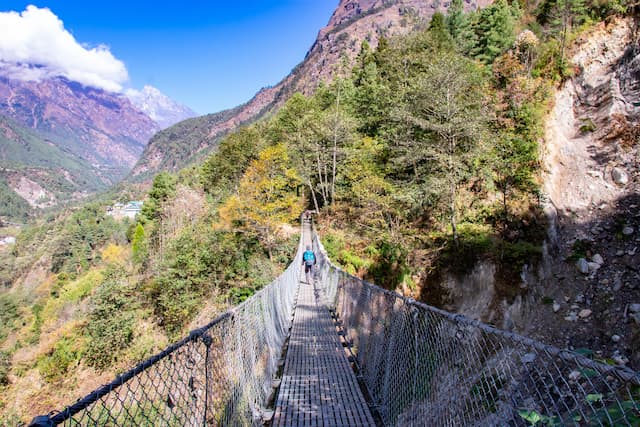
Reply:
x=158 y=106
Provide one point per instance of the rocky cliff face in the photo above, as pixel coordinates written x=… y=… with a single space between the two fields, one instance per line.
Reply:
x=352 y=22
x=593 y=189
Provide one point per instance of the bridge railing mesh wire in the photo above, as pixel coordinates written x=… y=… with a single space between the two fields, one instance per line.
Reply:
x=221 y=374
x=426 y=367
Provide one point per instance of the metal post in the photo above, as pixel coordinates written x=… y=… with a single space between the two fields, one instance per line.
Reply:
x=206 y=339
x=41 y=421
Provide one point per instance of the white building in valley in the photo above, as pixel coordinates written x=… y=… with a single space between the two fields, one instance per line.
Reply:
x=129 y=210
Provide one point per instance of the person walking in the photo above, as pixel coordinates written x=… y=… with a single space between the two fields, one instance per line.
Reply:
x=308 y=260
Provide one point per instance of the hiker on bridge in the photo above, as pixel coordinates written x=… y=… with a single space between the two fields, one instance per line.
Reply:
x=309 y=260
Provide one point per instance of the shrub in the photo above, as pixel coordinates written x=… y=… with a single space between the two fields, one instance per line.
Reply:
x=66 y=353
x=5 y=366
x=111 y=321
x=8 y=314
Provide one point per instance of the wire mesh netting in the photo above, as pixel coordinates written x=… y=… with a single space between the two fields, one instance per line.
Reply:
x=422 y=366
x=427 y=367
x=221 y=374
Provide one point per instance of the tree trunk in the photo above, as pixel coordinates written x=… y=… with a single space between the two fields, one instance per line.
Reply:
x=313 y=196
x=504 y=207
x=335 y=147
x=323 y=190
x=452 y=191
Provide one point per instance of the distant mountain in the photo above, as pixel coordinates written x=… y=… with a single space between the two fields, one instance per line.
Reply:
x=39 y=171
x=352 y=22
x=62 y=140
x=159 y=107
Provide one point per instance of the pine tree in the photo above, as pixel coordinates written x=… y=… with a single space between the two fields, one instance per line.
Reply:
x=562 y=16
x=495 y=30
x=456 y=19
x=139 y=245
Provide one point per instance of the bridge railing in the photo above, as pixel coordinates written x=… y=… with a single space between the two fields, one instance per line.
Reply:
x=220 y=374
x=427 y=367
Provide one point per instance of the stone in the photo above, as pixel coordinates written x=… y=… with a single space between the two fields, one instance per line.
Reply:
x=580 y=298
x=619 y=176
x=617 y=284
x=634 y=308
x=574 y=375
x=627 y=231
x=583 y=266
x=528 y=358
x=615 y=338
x=597 y=258
x=572 y=317
x=594 y=174
x=584 y=313
x=556 y=307
x=593 y=266
x=620 y=360
x=619 y=252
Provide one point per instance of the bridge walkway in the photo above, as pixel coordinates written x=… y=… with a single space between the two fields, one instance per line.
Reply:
x=318 y=388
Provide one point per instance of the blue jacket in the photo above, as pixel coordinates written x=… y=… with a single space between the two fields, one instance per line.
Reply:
x=309 y=257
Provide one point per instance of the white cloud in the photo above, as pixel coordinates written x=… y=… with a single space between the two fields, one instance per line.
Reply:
x=34 y=45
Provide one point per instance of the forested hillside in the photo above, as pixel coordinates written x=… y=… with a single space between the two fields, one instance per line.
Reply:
x=422 y=161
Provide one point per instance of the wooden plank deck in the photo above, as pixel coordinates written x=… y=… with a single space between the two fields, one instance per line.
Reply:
x=318 y=388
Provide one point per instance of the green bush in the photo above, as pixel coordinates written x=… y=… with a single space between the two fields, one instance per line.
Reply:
x=5 y=366
x=111 y=321
x=8 y=314
x=390 y=268
x=333 y=244
x=66 y=353
x=517 y=254
x=587 y=125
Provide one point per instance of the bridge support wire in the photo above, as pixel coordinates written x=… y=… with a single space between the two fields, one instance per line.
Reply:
x=427 y=367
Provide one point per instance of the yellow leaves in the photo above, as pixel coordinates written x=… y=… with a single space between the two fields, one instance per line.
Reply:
x=114 y=254
x=228 y=213
x=266 y=197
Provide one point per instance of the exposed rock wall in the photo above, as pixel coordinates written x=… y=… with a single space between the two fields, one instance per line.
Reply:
x=592 y=184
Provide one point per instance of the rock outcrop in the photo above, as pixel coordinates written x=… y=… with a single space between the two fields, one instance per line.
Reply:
x=592 y=184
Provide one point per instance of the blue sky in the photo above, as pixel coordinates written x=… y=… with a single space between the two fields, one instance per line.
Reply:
x=208 y=55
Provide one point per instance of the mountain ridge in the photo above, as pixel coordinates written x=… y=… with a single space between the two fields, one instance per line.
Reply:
x=351 y=23
x=62 y=140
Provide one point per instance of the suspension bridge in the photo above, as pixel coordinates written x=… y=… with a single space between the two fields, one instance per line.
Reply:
x=343 y=352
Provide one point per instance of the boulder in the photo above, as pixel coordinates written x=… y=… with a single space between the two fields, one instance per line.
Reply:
x=619 y=176
x=584 y=313
x=583 y=266
x=597 y=258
